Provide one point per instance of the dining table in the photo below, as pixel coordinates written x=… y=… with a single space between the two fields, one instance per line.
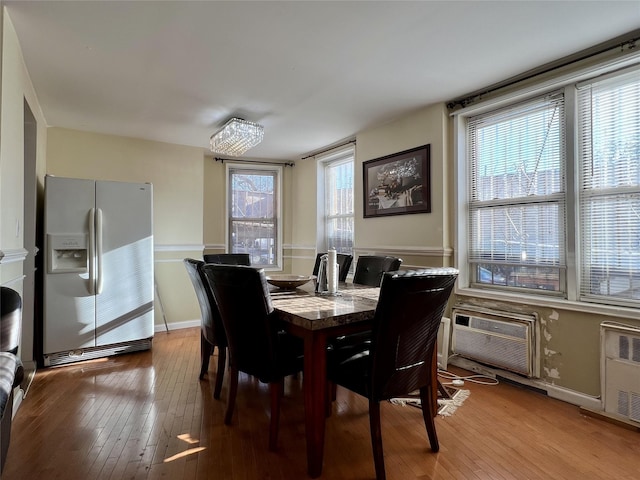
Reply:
x=316 y=318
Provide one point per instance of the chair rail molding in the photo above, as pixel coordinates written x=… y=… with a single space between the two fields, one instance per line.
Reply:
x=292 y=246
x=406 y=250
x=177 y=248
x=13 y=255
x=215 y=246
x=14 y=281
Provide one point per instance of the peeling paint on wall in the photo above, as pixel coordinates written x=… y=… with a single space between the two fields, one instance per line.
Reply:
x=553 y=316
x=552 y=373
x=552 y=358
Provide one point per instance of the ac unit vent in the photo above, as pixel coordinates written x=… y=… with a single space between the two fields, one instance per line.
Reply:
x=495 y=338
x=620 y=370
x=92 y=353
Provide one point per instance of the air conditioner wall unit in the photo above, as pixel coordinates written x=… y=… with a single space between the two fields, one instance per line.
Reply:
x=501 y=339
x=620 y=370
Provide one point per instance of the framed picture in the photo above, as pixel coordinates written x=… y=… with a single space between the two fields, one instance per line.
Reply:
x=398 y=184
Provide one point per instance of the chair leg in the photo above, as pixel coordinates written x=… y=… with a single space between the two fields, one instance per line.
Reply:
x=206 y=349
x=376 y=439
x=222 y=360
x=429 y=413
x=231 y=399
x=276 y=390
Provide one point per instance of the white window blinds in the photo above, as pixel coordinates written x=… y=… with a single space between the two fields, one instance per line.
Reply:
x=339 y=202
x=517 y=195
x=609 y=189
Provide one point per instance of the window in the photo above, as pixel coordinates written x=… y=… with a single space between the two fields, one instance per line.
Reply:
x=338 y=190
x=609 y=153
x=516 y=207
x=253 y=213
x=552 y=197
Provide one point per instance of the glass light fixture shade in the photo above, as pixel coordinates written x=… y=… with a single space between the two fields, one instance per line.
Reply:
x=236 y=137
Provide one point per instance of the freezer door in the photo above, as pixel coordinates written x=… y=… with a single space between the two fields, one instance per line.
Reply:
x=124 y=262
x=69 y=305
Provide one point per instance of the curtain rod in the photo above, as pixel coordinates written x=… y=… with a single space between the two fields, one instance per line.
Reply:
x=222 y=160
x=622 y=43
x=328 y=149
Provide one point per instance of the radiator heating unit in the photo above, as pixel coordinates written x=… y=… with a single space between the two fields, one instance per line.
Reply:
x=500 y=339
x=620 y=370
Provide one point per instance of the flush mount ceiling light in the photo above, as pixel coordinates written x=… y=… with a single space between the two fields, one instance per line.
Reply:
x=236 y=137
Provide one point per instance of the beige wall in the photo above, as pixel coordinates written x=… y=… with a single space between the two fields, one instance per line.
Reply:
x=176 y=173
x=15 y=89
x=214 y=206
x=420 y=239
x=301 y=211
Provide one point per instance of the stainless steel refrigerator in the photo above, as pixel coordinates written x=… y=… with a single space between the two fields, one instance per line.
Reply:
x=98 y=283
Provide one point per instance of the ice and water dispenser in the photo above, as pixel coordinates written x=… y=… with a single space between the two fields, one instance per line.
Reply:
x=67 y=253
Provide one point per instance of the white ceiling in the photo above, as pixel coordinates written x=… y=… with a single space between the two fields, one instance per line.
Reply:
x=313 y=73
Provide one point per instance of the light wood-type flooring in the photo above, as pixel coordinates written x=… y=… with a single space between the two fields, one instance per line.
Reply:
x=146 y=416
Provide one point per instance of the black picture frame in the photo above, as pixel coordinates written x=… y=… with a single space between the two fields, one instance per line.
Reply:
x=398 y=184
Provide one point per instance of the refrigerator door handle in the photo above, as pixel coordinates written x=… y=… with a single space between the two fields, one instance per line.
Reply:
x=92 y=251
x=99 y=250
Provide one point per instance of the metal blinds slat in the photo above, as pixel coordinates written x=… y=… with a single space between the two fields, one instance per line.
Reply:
x=609 y=152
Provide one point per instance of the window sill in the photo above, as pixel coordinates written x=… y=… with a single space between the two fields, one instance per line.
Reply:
x=551 y=302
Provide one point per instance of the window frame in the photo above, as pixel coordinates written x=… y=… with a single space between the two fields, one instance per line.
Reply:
x=511 y=116
x=326 y=161
x=591 y=192
x=569 y=82
x=277 y=170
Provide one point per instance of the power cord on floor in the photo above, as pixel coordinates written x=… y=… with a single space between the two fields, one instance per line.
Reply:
x=458 y=380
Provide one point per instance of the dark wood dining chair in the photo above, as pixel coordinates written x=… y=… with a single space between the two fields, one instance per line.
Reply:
x=369 y=268
x=212 y=332
x=344 y=264
x=257 y=345
x=10 y=320
x=227 y=258
x=11 y=368
x=398 y=358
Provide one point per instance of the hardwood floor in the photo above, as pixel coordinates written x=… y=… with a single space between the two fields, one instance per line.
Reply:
x=146 y=416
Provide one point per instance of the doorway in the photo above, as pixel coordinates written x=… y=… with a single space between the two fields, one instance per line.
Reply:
x=30 y=243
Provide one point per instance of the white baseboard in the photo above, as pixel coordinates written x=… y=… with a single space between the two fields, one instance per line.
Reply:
x=159 y=327
x=553 y=391
x=18 y=396
x=576 y=398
